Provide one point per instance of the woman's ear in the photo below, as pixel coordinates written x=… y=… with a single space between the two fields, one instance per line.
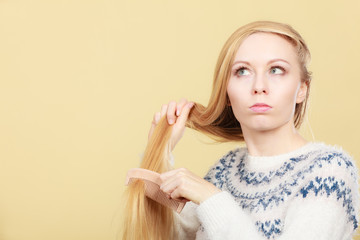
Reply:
x=301 y=95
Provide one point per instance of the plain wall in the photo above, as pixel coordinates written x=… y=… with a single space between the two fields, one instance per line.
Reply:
x=81 y=80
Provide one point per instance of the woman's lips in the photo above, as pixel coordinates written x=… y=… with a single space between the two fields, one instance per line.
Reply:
x=260 y=107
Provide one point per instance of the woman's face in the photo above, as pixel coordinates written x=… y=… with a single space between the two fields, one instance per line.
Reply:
x=265 y=83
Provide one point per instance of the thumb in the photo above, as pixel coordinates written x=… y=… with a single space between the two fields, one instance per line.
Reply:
x=179 y=127
x=184 y=114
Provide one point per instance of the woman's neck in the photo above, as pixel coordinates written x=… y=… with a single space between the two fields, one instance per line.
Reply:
x=274 y=142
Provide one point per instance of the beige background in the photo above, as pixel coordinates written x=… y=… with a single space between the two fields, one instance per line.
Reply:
x=81 y=80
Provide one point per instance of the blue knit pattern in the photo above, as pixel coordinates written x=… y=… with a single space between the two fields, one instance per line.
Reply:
x=293 y=182
x=270 y=228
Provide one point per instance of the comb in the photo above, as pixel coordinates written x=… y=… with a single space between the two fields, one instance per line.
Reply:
x=152 y=183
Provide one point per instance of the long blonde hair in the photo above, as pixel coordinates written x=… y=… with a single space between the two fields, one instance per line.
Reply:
x=146 y=219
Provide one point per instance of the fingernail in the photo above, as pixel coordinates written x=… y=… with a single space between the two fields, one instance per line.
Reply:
x=177 y=112
x=191 y=105
x=171 y=121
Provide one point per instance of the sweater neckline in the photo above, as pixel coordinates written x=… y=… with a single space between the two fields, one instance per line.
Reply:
x=265 y=162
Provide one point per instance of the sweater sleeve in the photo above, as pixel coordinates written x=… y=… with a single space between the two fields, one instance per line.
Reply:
x=222 y=218
x=187 y=222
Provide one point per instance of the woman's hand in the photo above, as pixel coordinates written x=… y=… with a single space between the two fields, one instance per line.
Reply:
x=177 y=114
x=182 y=185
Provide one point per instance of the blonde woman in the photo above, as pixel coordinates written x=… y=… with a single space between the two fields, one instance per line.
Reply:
x=280 y=186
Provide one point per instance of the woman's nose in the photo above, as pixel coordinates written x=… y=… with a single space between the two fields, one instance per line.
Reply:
x=260 y=85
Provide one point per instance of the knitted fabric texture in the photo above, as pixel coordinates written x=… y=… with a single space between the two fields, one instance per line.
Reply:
x=309 y=193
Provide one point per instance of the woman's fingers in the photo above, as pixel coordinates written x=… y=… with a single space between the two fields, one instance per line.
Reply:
x=180 y=106
x=171 y=112
x=185 y=114
x=179 y=127
x=182 y=184
x=178 y=195
x=176 y=114
x=156 y=119
x=166 y=175
x=173 y=181
x=163 y=110
x=174 y=110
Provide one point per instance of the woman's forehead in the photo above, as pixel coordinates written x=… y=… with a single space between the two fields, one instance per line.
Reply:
x=265 y=47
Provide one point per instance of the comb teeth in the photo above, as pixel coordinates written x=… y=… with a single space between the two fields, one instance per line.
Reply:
x=152 y=183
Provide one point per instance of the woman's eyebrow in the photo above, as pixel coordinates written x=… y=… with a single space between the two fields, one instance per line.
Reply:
x=278 y=60
x=271 y=61
x=240 y=61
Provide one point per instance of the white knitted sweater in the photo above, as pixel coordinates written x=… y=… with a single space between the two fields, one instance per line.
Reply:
x=310 y=193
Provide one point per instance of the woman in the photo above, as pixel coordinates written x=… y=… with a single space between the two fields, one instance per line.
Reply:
x=279 y=186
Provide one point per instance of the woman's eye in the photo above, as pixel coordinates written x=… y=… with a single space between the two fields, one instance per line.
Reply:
x=242 y=72
x=277 y=70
